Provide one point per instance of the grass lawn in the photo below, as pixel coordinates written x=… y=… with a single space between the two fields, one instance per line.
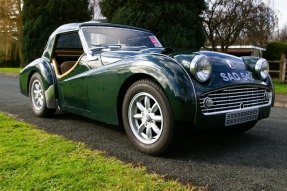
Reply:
x=34 y=160
x=11 y=70
x=280 y=88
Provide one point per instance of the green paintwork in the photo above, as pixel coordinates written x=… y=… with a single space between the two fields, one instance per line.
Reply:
x=96 y=87
x=40 y=66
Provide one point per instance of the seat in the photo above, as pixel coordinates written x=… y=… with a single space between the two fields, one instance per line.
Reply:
x=66 y=66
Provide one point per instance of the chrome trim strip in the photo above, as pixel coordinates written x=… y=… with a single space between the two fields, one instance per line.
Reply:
x=234 y=110
x=84 y=44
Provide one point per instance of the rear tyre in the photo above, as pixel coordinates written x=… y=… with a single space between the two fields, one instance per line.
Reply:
x=148 y=117
x=37 y=97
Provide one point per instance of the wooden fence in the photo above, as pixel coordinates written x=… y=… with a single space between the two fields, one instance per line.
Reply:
x=278 y=68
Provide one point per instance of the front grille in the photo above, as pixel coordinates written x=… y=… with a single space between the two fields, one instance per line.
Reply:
x=235 y=98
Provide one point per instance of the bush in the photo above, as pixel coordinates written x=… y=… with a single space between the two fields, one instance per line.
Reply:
x=9 y=63
x=274 y=50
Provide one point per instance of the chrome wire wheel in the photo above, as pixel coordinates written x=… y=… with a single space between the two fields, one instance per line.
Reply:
x=37 y=95
x=145 y=118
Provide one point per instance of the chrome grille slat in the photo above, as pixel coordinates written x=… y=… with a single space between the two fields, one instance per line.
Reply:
x=234 y=98
x=234 y=103
x=235 y=93
x=237 y=101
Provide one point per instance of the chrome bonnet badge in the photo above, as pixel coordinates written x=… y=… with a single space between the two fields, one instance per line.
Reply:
x=230 y=64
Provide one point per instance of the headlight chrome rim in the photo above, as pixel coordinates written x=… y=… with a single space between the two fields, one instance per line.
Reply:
x=201 y=68
x=262 y=68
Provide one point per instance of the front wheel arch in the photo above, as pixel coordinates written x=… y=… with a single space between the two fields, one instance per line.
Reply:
x=124 y=88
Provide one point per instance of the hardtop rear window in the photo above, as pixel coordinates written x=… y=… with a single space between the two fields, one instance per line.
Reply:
x=69 y=41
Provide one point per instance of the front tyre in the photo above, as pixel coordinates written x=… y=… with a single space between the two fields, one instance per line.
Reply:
x=148 y=117
x=37 y=97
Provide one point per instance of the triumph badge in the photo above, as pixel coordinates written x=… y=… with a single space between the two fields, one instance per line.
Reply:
x=230 y=64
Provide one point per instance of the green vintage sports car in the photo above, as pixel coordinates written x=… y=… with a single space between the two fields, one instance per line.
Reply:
x=116 y=73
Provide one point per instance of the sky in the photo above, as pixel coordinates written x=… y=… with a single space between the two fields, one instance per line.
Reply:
x=280 y=6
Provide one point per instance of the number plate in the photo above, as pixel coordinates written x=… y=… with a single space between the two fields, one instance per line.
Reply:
x=241 y=117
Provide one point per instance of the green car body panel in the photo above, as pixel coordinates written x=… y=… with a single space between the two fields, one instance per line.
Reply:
x=95 y=93
x=98 y=92
x=40 y=66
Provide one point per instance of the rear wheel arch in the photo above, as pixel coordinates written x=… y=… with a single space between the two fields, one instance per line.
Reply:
x=41 y=66
x=47 y=83
x=29 y=80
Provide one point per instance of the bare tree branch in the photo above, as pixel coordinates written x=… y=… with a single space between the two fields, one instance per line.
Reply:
x=227 y=21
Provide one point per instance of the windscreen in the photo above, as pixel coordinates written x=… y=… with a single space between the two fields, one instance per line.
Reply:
x=123 y=37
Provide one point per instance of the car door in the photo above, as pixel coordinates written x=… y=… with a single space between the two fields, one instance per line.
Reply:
x=70 y=61
x=73 y=91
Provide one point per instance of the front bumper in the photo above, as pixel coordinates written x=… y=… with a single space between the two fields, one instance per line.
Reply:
x=231 y=119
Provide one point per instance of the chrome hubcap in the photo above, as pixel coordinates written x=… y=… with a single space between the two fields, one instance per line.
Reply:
x=37 y=95
x=145 y=118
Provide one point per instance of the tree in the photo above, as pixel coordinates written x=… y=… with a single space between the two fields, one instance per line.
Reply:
x=262 y=25
x=227 y=20
x=282 y=36
x=176 y=24
x=10 y=32
x=41 y=17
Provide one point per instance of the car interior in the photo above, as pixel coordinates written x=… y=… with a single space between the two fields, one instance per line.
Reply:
x=67 y=53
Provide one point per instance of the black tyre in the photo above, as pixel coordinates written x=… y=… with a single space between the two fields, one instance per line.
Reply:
x=37 y=97
x=148 y=117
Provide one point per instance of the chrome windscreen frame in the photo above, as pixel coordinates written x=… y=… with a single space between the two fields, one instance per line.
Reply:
x=85 y=45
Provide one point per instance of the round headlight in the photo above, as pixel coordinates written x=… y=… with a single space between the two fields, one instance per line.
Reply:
x=200 y=68
x=262 y=68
